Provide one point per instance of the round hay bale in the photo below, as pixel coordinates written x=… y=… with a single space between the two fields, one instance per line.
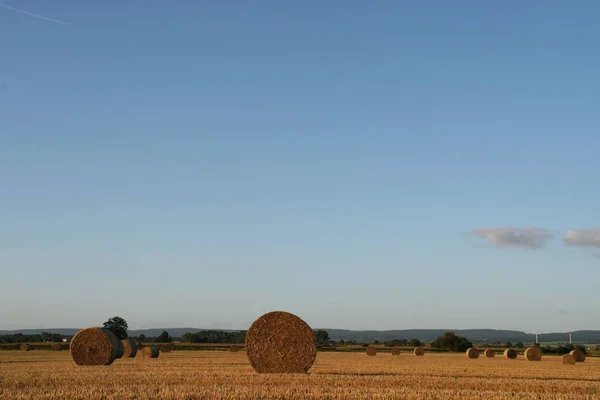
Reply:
x=234 y=348
x=578 y=355
x=120 y=349
x=419 y=351
x=568 y=359
x=472 y=353
x=129 y=348
x=395 y=351
x=510 y=354
x=280 y=342
x=371 y=350
x=150 y=352
x=94 y=346
x=56 y=347
x=25 y=347
x=166 y=347
x=489 y=353
x=533 y=354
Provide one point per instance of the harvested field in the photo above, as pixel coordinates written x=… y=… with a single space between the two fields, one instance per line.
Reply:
x=352 y=376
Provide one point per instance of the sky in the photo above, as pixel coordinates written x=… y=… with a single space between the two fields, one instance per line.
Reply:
x=363 y=165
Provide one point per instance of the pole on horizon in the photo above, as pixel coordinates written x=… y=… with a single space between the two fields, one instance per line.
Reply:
x=536 y=339
x=570 y=339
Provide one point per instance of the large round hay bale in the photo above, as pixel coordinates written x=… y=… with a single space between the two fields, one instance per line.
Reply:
x=129 y=348
x=533 y=354
x=280 y=342
x=234 y=348
x=395 y=351
x=419 y=351
x=120 y=350
x=150 y=352
x=578 y=355
x=371 y=350
x=166 y=347
x=489 y=353
x=94 y=346
x=510 y=354
x=568 y=359
x=472 y=353
x=25 y=347
x=56 y=347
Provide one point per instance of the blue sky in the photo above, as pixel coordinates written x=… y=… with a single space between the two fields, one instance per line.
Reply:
x=365 y=165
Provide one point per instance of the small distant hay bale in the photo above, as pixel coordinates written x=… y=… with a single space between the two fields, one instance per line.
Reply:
x=94 y=346
x=568 y=359
x=472 y=353
x=166 y=348
x=25 y=347
x=510 y=354
x=419 y=351
x=533 y=354
x=56 y=347
x=129 y=348
x=489 y=353
x=395 y=351
x=371 y=350
x=280 y=342
x=234 y=348
x=150 y=352
x=578 y=355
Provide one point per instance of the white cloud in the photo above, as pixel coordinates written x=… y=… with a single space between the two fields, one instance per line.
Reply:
x=583 y=238
x=532 y=238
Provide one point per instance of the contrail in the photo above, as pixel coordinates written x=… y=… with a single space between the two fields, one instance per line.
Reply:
x=33 y=15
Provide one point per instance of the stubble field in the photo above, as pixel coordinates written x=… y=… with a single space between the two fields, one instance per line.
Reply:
x=222 y=375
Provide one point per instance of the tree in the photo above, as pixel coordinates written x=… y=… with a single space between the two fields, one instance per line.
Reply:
x=118 y=326
x=450 y=341
x=519 y=345
x=164 y=337
x=509 y=344
x=321 y=337
x=415 y=343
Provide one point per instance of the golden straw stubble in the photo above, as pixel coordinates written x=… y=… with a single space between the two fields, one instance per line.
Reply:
x=578 y=355
x=472 y=353
x=371 y=350
x=94 y=346
x=280 y=342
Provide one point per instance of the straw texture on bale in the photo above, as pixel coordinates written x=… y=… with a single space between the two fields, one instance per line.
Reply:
x=94 y=346
x=150 y=352
x=568 y=359
x=280 y=342
x=489 y=353
x=533 y=354
x=472 y=353
x=234 y=348
x=371 y=350
x=166 y=348
x=578 y=355
x=56 y=347
x=395 y=351
x=129 y=348
x=25 y=347
x=510 y=354
x=419 y=351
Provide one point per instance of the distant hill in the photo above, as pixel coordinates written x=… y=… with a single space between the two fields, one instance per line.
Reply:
x=425 y=335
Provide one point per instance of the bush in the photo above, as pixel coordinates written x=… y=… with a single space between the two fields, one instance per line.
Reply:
x=450 y=341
